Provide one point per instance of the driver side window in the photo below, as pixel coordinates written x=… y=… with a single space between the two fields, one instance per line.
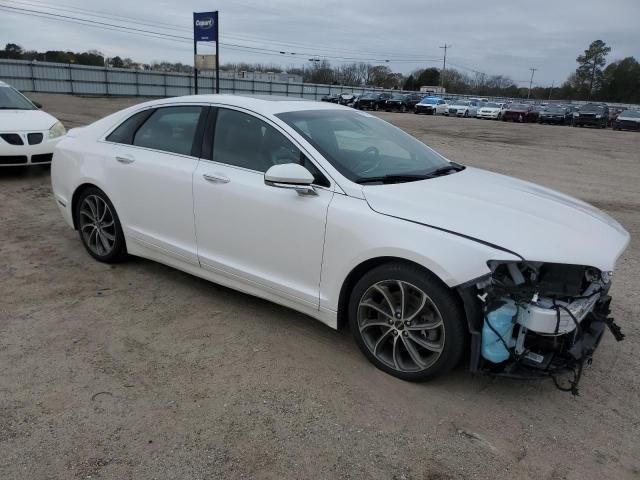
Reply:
x=243 y=140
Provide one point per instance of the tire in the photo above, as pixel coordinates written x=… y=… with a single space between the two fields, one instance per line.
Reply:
x=466 y=114
x=419 y=353
x=105 y=242
x=376 y=107
x=403 y=109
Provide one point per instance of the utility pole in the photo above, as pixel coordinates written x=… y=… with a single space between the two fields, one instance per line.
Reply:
x=444 y=63
x=533 y=70
x=593 y=75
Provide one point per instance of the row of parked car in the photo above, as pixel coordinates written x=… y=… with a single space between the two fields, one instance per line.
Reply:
x=591 y=114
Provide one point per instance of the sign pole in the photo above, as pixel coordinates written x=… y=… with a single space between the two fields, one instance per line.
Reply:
x=217 y=53
x=195 y=68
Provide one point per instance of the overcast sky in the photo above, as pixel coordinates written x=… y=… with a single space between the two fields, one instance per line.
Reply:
x=494 y=36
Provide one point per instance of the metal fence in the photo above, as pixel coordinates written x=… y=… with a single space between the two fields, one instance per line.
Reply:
x=28 y=76
x=46 y=77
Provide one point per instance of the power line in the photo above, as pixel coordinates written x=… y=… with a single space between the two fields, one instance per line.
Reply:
x=102 y=14
x=232 y=46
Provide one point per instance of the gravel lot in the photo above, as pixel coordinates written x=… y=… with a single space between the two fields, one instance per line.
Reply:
x=141 y=371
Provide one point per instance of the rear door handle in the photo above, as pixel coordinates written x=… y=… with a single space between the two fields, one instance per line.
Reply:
x=215 y=178
x=125 y=160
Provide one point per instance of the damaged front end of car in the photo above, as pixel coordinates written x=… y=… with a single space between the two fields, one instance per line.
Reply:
x=537 y=320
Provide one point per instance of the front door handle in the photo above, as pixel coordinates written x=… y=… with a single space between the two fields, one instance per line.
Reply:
x=125 y=160
x=215 y=178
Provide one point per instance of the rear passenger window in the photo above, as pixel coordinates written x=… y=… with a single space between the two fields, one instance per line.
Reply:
x=124 y=133
x=170 y=129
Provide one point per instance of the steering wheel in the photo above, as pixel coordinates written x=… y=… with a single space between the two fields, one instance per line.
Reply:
x=371 y=159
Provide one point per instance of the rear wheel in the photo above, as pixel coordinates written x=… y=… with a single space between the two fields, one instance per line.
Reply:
x=99 y=226
x=406 y=322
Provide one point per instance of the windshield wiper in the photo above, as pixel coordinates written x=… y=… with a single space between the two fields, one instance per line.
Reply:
x=453 y=167
x=412 y=177
x=393 y=178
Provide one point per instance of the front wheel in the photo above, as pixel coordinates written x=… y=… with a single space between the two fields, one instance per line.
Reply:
x=99 y=226
x=407 y=322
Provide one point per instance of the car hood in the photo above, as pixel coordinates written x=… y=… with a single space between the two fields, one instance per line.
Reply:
x=459 y=106
x=535 y=222
x=25 y=120
x=490 y=109
x=630 y=119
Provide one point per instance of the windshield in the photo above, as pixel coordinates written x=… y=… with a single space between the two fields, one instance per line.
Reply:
x=460 y=102
x=430 y=101
x=11 y=99
x=630 y=114
x=361 y=146
x=398 y=96
x=518 y=106
x=492 y=105
x=369 y=96
x=556 y=110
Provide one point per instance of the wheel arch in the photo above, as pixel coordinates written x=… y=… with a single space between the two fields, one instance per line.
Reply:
x=365 y=266
x=76 y=197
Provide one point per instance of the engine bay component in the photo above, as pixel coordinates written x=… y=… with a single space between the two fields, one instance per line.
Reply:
x=539 y=320
x=497 y=333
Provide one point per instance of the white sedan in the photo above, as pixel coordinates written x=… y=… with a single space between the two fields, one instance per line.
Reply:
x=337 y=214
x=462 y=108
x=491 y=111
x=27 y=134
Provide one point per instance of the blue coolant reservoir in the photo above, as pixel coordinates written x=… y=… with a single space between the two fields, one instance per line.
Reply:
x=501 y=320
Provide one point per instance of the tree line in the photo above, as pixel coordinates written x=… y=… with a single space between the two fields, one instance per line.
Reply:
x=593 y=79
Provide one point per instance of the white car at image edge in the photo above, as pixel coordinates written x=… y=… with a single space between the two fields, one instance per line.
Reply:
x=27 y=134
x=337 y=214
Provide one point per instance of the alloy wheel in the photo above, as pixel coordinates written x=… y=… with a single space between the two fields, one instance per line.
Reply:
x=401 y=326
x=97 y=225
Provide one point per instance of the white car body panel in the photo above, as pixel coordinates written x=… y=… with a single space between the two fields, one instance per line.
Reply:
x=272 y=237
x=299 y=250
x=154 y=195
x=480 y=204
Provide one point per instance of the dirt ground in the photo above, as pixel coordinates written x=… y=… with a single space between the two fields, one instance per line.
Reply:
x=141 y=371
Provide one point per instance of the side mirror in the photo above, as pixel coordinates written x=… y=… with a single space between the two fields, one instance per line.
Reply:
x=290 y=176
x=37 y=104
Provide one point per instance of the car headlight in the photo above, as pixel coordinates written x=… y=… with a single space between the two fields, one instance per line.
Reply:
x=57 y=130
x=598 y=116
x=576 y=114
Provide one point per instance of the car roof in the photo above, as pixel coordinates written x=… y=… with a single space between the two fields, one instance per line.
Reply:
x=264 y=104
